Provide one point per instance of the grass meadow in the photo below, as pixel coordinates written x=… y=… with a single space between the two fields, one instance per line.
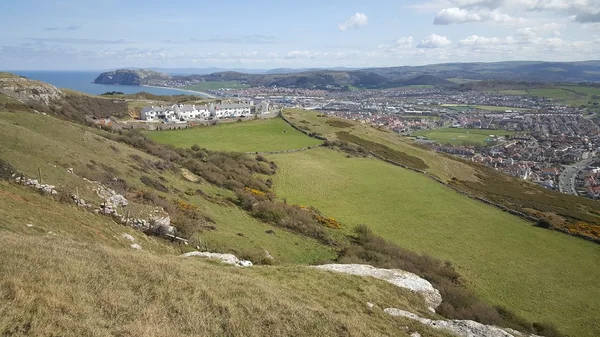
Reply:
x=263 y=135
x=29 y=141
x=53 y=285
x=540 y=274
x=458 y=136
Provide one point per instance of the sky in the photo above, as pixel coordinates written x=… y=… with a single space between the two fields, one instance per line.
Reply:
x=261 y=34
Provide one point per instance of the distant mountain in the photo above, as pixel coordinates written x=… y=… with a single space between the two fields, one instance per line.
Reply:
x=435 y=74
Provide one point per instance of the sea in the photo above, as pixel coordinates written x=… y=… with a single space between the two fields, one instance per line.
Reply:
x=83 y=81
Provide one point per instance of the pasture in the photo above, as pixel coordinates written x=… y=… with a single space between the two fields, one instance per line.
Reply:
x=540 y=274
x=262 y=135
x=458 y=136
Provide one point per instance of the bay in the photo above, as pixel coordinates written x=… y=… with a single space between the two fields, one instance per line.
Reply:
x=83 y=81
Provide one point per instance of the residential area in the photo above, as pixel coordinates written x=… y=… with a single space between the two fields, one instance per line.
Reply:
x=548 y=143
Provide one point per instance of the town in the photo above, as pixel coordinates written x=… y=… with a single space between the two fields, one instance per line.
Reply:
x=545 y=142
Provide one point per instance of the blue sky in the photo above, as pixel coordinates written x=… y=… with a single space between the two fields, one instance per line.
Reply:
x=86 y=34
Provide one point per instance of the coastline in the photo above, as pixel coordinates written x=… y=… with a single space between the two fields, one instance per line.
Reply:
x=200 y=93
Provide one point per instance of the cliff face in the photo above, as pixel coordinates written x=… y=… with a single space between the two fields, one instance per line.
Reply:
x=130 y=77
x=28 y=91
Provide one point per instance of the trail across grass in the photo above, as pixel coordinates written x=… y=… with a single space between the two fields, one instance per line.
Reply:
x=265 y=135
x=543 y=275
x=459 y=136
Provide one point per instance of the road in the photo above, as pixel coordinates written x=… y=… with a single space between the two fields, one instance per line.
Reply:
x=566 y=180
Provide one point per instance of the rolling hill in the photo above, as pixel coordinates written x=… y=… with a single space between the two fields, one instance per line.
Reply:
x=435 y=74
x=70 y=270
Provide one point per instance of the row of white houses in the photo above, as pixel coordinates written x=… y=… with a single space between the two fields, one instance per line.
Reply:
x=184 y=112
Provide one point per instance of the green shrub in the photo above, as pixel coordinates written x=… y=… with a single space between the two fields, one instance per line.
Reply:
x=6 y=170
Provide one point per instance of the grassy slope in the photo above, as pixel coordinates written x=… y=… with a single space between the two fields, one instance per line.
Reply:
x=439 y=165
x=568 y=94
x=29 y=141
x=250 y=136
x=543 y=275
x=73 y=275
x=457 y=136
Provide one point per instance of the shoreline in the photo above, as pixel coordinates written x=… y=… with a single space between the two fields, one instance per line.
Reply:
x=200 y=93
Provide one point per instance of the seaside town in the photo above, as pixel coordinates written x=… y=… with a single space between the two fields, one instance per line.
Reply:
x=547 y=143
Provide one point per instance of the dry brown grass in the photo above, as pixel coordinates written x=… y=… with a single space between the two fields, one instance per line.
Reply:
x=56 y=286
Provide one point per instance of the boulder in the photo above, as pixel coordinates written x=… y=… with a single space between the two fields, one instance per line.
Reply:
x=128 y=237
x=464 y=328
x=136 y=246
x=224 y=258
x=396 y=277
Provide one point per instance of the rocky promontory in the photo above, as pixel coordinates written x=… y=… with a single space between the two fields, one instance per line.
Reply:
x=130 y=77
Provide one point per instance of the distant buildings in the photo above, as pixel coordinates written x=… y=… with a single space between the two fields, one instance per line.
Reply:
x=186 y=112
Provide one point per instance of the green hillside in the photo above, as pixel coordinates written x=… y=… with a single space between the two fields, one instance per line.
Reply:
x=89 y=281
x=263 y=135
x=29 y=141
x=543 y=275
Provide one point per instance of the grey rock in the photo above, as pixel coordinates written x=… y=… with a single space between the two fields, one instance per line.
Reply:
x=136 y=246
x=463 y=328
x=224 y=258
x=396 y=277
x=128 y=237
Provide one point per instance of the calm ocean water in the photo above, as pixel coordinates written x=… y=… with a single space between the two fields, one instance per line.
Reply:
x=82 y=81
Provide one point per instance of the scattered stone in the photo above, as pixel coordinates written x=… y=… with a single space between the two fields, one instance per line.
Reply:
x=268 y=256
x=29 y=225
x=224 y=258
x=189 y=175
x=136 y=246
x=370 y=305
x=464 y=328
x=270 y=231
x=396 y=277
x=241 y=234
x=128 y=237
x=70 y=170
x=415 y=334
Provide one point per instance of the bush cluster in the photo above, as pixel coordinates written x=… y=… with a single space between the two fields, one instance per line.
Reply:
x=155 y=184
x=6 y=170
x=384 y=151
x=230 y=170
x=301 y=220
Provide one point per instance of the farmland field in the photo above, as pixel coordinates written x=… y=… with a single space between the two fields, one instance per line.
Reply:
x=263 y=135
x=567 y=94
x=457 y=136
x=213 y=85
x=542 y=275
x=484 y=107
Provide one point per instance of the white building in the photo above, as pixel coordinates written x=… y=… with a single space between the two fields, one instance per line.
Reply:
x=230 y=110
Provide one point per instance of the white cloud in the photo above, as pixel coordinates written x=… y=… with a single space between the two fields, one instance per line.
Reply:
x=434 y=41
x=356 y=21
x=404 y=42
x=456 y=15
x=475 y=40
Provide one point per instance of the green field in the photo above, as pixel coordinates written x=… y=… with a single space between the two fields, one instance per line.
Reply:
x=213 y=85
x=265 y=135
x=458 y=136
x=567 y=94
x=542 y=275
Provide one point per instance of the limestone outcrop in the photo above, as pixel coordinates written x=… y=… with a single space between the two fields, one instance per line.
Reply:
x=396 y=277
x=224 y=258
x=463 y=328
